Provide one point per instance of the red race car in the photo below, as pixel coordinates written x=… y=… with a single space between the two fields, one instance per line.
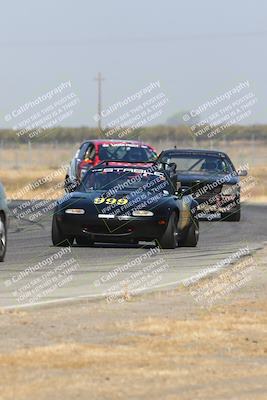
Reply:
x=92 y=152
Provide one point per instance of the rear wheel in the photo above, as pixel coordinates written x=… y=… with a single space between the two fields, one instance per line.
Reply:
x=84 y=241
x=169 y=239
x=191 y=238
x=2 y=238
x=58 y=238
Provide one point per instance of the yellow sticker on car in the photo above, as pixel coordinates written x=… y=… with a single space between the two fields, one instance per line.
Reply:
x=121 y=202
x=99 y=200
x=110 y=200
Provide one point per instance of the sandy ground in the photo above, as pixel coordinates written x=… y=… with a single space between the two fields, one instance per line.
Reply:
x=157 y=346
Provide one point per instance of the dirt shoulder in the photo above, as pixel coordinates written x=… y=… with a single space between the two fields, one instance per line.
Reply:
x=160 y=346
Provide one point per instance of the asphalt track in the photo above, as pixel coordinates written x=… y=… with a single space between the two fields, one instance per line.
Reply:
x=107 y=270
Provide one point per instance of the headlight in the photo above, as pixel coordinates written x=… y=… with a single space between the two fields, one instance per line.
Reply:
x=228 y=190
x=142 y=213
x=75 y=211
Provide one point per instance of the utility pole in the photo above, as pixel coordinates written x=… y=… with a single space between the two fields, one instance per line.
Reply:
x=99 y=80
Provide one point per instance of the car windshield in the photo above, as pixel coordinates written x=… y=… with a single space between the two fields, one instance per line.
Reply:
x=124 y=179
x=126 y=152
x=199 y=163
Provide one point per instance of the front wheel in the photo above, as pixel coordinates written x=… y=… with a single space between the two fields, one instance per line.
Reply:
x=169 y=239
x=234 y=216
x=2 y=238
x=59 y=239
x=192 y=235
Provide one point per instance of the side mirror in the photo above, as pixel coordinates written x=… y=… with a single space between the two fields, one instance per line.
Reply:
x=242 y=172
x=71 y=186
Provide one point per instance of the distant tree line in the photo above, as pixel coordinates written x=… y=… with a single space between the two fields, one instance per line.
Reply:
x=151 y=133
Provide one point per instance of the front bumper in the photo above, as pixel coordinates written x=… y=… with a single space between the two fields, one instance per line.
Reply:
x=95 y=228
x=218 y=203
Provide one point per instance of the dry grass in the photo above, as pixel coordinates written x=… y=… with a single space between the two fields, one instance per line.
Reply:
x=22 y=166
x=17 y=183
x=260 y=190
x=220 y=352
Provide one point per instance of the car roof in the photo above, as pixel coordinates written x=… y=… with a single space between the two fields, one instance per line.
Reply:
x=107 y=141
x=196 y=151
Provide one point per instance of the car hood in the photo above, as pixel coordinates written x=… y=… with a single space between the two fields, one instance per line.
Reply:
x=187 y=178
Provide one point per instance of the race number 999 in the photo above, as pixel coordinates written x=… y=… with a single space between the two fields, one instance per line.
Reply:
x=110 y=200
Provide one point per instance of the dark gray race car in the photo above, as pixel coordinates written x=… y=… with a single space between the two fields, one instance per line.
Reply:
x=212 y=179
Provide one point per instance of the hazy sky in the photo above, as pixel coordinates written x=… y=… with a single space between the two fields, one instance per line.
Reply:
x=196 y=49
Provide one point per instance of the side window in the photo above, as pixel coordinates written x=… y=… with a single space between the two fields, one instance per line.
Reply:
x=82 y=150
x=90 y=152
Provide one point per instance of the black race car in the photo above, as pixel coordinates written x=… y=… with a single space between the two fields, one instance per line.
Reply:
x=212 y=181
x=126 y=204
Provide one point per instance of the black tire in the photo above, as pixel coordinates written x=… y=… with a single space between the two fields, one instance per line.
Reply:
x=234 y=216
x=58 y=238
x=192 y=235
x=169 y=239
x=3 y=238
x=84 y=241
